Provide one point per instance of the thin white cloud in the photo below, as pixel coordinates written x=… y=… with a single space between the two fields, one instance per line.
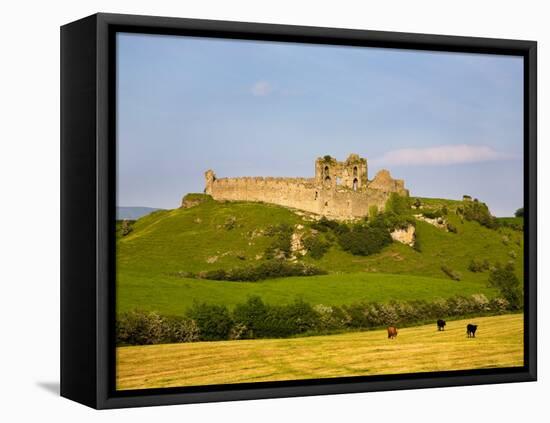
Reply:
x=261 y=89
x=441 y=155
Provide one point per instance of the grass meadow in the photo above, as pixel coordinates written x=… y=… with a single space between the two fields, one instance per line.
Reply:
x=498 y=343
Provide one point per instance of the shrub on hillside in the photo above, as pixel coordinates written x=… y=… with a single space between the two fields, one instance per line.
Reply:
x=453 y=274
x=324 y=224
x=452 y=228
x=392 y=221
x=268 y=270
x=316 y=247
x=512 y=223
x=214 y=321
x=479 y=212
x=365 y=240
x=505 y=280
x=373 y=211
x=280 y=247
x=417 y=246
x=478 y=265
x=126 y=227
x=519 y=212
x=230 y=223
x=432 y=214
x=398 y=204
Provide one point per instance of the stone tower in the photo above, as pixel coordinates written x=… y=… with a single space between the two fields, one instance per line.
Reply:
x=209 y=177
x=351 y=173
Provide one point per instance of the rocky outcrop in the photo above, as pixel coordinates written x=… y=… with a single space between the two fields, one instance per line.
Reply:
x=438 y=222
x=296 y=242
x=404 y=236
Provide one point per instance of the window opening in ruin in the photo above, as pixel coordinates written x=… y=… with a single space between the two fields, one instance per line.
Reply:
x=355 y=171
x=326 y=203
x=316 y=195
x=355 y=184
x=326 y=170
x=327 y=180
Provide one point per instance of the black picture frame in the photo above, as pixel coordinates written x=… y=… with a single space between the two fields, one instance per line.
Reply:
x=88 y=200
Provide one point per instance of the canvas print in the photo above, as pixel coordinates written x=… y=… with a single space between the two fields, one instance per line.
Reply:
x=292 y=211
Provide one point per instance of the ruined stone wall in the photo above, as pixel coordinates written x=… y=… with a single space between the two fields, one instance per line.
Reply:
x=299 y=193
x=347 y=194
x=290 y=192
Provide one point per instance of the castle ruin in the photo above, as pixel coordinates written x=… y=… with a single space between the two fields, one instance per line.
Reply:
x=339 y=190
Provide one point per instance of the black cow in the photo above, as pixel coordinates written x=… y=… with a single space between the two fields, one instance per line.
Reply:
x=441 y=324
x=471 y=330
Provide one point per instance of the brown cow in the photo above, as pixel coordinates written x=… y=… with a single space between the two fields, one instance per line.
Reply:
x=392 y=332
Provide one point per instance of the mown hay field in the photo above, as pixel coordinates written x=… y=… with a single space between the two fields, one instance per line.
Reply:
x=498 y=343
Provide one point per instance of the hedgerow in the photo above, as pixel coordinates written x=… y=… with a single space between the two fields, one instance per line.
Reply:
x=255 y=319
x=267 y=270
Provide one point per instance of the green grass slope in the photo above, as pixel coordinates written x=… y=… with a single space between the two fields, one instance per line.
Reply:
x=217 y=235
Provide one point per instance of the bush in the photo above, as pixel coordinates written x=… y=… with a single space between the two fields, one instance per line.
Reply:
x=329 y=318
x=281 y=245
x=239 y=331
x=452 y=228
x=214 y=321
x=373 y=212
x=479 y=212
x=432 y=214
x=179 y=329
x=453 y=274
x=268 y=270
x=510 y=222
x=417 y=246
x=251 y=315
x=324 y=225
x=478 y=265
x=230 y=223
x=398 y=204
x=364 y=241
x=316 y=246
x=147 y=328
x=139 y=328
x=392 y=221
x=126 y=227
x=264 y=321
x=519 y=212
x=417 y=203
x=505 y=280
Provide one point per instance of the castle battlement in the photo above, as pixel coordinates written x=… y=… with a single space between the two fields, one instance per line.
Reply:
x=339 y=190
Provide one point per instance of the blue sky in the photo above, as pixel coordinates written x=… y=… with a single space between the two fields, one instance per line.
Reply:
x=449 y=124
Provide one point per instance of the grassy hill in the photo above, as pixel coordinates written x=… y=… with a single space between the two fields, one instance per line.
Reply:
x=167 y=244
x=498 y=343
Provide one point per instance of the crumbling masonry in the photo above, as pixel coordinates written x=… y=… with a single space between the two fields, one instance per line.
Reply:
x=339 y=190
